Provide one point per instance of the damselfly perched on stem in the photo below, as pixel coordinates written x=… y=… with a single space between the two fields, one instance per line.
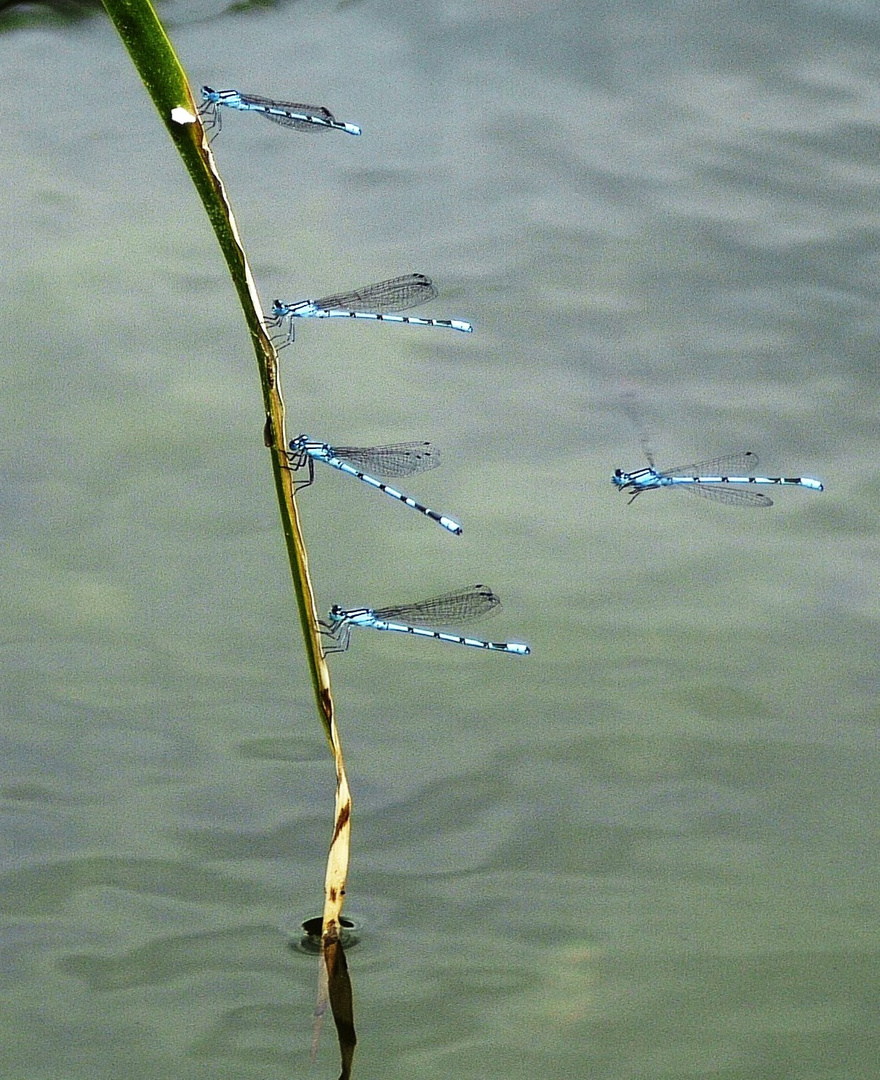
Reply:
x=396 y=459
x=372 y=302
x=420 y=619
x=290 y=114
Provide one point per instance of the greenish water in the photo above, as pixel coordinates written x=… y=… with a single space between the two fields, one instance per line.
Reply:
x=648 y=850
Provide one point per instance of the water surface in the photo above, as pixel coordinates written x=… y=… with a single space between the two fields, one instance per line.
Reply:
x=648 y=850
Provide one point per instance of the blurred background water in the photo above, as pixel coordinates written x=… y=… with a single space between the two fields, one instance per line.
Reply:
x=648 y=850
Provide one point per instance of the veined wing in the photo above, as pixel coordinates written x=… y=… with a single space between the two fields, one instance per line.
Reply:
x=449 y=609
x=742 y=463
x=730 y=494
x=396 y=459
x=395 y=294
x=266 y=105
